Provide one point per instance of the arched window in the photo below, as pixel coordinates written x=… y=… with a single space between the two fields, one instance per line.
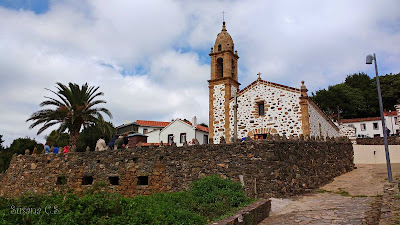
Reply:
x=219 y=48
x=220 y=67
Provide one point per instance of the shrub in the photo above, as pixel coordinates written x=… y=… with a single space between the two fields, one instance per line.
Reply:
x=207 y=199
x=216 y=196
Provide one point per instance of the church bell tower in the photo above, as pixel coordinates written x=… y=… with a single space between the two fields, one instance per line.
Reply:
x=223 y=85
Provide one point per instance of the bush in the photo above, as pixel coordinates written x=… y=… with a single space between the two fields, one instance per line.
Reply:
x=207 y=199
x=216 y=196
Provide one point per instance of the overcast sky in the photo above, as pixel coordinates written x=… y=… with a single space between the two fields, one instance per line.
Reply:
x=150 y=58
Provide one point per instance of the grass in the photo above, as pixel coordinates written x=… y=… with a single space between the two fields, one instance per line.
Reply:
x=209 y=199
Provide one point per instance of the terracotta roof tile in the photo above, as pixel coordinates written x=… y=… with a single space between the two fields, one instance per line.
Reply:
x=360 y=120
x=391 y=113
x=155 y=144
x=152 y=123
x=199 y=127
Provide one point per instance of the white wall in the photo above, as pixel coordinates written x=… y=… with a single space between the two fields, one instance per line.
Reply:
x=364 y=154
x=369 y=131
x=392 y=124
x=153 y=137
x=140 y=129
x=176 y=128
x=200 y=136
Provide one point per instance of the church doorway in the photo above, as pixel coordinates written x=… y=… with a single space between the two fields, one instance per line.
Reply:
x=260 y=136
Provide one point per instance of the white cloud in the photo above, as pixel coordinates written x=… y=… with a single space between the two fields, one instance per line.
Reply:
x=161 y=48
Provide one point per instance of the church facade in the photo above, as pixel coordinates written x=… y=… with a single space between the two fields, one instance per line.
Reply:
x=262 y=108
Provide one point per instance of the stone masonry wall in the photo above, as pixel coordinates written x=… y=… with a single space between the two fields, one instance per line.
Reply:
x=219 y=112
x=393 y=140
x=320 y=125
x=347 y=131
x=269 y=168
x=281 y=106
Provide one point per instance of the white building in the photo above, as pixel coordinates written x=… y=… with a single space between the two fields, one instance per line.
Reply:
x=146 y=126
x=179 y=131
x=372 y=126
x=140 y=126
x=398 y=113
x=392 y=122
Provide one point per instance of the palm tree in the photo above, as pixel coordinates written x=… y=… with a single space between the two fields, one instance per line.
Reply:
x=74 y=108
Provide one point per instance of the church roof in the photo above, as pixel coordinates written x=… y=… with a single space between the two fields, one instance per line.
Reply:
x=272 y=84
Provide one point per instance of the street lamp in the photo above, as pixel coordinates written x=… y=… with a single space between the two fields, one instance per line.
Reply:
x=369 y=60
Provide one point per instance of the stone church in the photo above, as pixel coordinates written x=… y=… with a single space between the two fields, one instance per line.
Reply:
x=262 y=108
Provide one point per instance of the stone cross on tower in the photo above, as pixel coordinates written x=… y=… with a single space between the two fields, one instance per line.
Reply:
x=259 y=74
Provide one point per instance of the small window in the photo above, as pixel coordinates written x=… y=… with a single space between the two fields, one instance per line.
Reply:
x=261 y=109
x=205 y=139
x=396 y=121
x=144 y=131
x=114 y=180
x=362 y=126
x=219 y=47
x=170 y=138
x=61 y=180
x=183 y=137
x=88 y=180
x=377 y=135
x=143 y=180
x=375 y=126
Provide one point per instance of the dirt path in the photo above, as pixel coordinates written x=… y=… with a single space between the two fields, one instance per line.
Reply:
x=349 y=199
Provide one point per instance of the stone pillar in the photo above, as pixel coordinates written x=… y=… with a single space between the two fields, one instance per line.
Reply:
x=305 y=119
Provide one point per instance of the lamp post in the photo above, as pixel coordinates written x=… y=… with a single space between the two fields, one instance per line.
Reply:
x=369 y=60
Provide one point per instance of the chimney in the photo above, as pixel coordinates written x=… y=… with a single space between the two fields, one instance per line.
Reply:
x=194 y=121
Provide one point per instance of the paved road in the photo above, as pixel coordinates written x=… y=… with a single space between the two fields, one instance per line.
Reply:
x=347 y=200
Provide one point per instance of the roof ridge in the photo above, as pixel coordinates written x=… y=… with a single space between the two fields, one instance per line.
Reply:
x=268 y=83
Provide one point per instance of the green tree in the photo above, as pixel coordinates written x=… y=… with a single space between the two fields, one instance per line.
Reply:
x=18 y=146
x=1 y=143
x=75 y=107
x=390 y=84
x=357 y=97
x=55 y=138
x=350 y=100
x=90 y=135
x=204 y=125
x=5 y=156
x=5 y=159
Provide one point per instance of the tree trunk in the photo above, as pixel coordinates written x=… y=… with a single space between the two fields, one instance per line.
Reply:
x=73 y=140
